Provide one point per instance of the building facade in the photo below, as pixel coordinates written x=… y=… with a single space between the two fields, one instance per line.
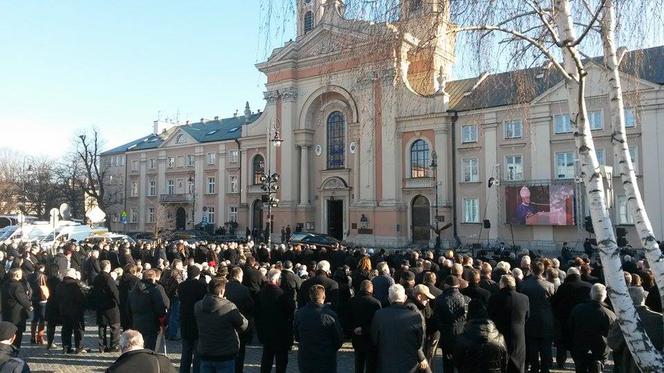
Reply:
x=358 y=145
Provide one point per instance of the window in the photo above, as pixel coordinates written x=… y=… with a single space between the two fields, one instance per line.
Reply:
x=565 y=165
x=210 y=215
x=152 y=187
x=151 y=215
x=180 y=139
x=233 y=184
x=211 y=158
x=308 y=21
x=171 y=162
x=234 y=156
x=562 y=123
x=634 y=154
x=470 y=170
x=469 y=133
x=601 y=156
x=211 y=181
x=625 y=216
x=471 y=210
x=258 y=168
x=191 y=160
x=151 y=163
x=133 y=215
x=134 y=189
x=134 y=165
x=336 y=128
x=170 y=189
x=419 y=159
x=513 y=129
x=514 y=167
x=232 y=214
x=595 y=120
x=630 y=118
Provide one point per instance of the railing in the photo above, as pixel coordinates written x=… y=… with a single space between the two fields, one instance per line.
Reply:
x=419 y=183
x=176 y=198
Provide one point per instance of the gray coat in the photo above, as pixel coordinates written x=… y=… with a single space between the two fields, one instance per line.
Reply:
x=540 y=318
x=398 y=332
x=219 y=324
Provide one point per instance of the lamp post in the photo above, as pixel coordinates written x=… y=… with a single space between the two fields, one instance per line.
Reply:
x=269 y=181
x=434 y=167
x=192 y=190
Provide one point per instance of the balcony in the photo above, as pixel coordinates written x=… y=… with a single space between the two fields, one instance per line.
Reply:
x=176 y=198
x=419 y=183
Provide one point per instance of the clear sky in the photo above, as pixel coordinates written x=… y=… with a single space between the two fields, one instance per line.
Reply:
x=69 y=65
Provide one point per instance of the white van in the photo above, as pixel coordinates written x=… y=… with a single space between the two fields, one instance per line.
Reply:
x=68 y=231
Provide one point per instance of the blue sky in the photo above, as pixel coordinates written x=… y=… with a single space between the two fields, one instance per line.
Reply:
x=70 y=65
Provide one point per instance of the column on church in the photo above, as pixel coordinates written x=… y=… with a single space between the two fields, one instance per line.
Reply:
x=304 y=175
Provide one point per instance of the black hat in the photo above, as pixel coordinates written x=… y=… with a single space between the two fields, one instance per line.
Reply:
x=193 y=271
x=452 y=281
x=7 y=330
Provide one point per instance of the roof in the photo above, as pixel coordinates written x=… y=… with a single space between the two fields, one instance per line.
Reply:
x=207 y=131
x=523 y=86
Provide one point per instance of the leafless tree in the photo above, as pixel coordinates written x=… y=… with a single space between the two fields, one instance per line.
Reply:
x=88 y=150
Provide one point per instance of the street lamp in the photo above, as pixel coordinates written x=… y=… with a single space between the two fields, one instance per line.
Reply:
x=269 y=182
x=192 y=191
x=434 y=167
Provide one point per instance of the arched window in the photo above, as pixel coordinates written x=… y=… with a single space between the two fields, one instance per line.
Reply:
x=419 y=159
x=180 y=139
x=336 y=128
x=258 y=167
x=308 y=21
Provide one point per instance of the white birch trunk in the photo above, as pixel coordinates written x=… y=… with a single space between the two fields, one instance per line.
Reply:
x=621 y=149
x=637 y=341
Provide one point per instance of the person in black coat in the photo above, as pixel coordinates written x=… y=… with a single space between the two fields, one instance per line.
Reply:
x=572 y=292
x=320 y=278
x=318 y=331
x=52 y=314
x=362 y=308
x=539 y=326
x=290 y=282
x=127 y=282
x=107 y=303
x=190 y=291
x=71 y=302
x=480 y=348
x=509 y=310
x=274 y=323
x=252 y=277
x=240 y=296
x=16 y=303
x=148 y=304
x=474 y=291
x=92 y=267
x=136 y=359
x=450 y=315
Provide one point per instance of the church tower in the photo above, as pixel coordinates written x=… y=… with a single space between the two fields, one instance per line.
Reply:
x=310 y=13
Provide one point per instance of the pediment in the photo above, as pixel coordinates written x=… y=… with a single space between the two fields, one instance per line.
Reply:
x=179 y=137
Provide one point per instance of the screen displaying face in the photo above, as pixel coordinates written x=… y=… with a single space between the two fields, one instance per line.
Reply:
x=540 y=204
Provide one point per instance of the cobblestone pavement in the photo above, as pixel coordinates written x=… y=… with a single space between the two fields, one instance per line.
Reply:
x=43 y=361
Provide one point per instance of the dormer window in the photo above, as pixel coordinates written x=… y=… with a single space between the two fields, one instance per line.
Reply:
x=308 y=21
x=180 y=139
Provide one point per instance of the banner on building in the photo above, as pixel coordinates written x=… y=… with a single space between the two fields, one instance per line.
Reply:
x=529 y=204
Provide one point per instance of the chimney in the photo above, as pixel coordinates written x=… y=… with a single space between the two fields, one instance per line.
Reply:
x=155 y=127
x=216 y=117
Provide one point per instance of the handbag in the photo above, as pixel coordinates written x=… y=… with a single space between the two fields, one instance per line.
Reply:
x=44 y=292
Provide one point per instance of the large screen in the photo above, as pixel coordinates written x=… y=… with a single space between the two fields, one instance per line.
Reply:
x=540 y=204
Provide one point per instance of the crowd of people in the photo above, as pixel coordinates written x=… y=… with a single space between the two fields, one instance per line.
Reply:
x=492 y=313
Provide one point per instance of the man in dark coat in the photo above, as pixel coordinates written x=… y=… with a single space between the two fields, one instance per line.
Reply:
x=92 y=267
x=572 y=292
x=136 y=359
x=474 y=291
x=9 y=360
x=318 y=331
x=362 y=308
x=191 y=291
x=481 y=347
x=321 y=278
x=240 y=296
x=509 y=310
x=589 y=324
x=71 y=301
x=274 y=323
x=539 y=326
x=398 y=333
x=450 y=315
x=127 y=283
x=252 y=277
x=16 y=303
x=382 y=283
x=148 y=304
x=107 y=302
x=290 y=282
x=219 y=325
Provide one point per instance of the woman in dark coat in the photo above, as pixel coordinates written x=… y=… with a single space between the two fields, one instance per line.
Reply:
x=52 y=312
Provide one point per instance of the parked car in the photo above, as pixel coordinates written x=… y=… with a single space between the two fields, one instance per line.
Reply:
x=109 y=236
x=318 y=239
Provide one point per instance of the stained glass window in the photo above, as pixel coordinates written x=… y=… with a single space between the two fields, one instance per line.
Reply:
x=335 y=140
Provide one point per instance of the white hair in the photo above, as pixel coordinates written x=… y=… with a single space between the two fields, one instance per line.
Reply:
x=396 y=294
x=383 y=268
x=555 y=262
x=504 y=265
x=525 y=261
x=323 y=265
x=131 y=340
x=598 y=292
x=274 y=275
x=517 y=273
x=507 y=281
x=573 y=271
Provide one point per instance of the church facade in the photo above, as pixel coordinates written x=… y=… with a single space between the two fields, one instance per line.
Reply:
x=382 y=152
